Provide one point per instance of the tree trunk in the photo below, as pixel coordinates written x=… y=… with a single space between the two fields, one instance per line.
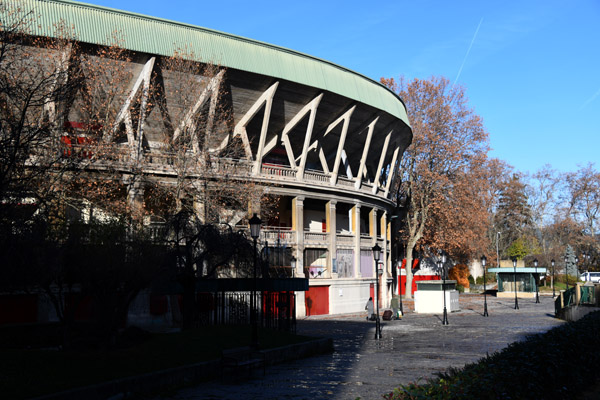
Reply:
x=409 y=276
x=408 y=269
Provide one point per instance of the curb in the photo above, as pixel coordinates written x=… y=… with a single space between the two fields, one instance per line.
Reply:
x=185 y=375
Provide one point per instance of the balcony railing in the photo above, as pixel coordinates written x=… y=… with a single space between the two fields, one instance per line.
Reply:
x=285 y=235
x=316 y=238
x=366 y=241
x=161 y=160
x=345 y=239
x=279 y=171
x=316 y=176
x=286 y=173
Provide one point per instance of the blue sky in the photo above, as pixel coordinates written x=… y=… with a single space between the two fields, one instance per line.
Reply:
x=531 y=69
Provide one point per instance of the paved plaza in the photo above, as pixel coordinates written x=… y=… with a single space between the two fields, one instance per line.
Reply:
x=412 y=349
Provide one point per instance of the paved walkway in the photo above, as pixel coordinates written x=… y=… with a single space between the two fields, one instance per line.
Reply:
x=412 y=349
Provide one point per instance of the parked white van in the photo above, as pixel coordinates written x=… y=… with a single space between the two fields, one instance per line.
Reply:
x=590 y=276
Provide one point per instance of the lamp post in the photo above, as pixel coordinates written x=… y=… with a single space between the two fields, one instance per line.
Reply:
x=485 y=310
x=254 y=233
x=442 y=261
x=537 y=294
x=514 y=260
x=376 y=255
x=553 y=294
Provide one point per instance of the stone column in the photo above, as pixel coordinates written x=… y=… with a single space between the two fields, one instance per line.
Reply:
x=356 y=231
x=200 y=208
x=135 y=196
x=331 y=227
x=383 y=225
x=298 y=227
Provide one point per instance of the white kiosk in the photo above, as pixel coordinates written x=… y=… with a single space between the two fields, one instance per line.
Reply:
x=429 y=297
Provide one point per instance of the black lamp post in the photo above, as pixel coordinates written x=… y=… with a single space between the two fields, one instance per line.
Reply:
x=537 y=294
x=376 y=255
x=254 y=233
x=485 y=311
x=514 y=260
x=442 y=261
x=553 y=293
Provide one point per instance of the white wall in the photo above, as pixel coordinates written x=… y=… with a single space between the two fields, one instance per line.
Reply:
x=348 y=296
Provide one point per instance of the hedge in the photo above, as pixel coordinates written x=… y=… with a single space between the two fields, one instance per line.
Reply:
x=558 y=364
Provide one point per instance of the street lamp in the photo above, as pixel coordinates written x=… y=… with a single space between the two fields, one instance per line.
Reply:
x=254 y=233
x=376 y=255
x=442 y=261
x=553 y=294
x=514 y=260
x=485 y=311
x=537 y=295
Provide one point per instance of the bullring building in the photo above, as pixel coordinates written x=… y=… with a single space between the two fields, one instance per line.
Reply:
x=323 y=141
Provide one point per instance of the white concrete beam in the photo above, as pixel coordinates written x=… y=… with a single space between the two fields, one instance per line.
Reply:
x=124 y=114
x=386 y=143
x=187 y=124
x=345 y=118
x=265 y=99
x=363 y=158
x=312 y=108
x=392 y=172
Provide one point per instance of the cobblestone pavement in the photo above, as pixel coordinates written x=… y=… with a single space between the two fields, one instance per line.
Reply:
x=412 y=349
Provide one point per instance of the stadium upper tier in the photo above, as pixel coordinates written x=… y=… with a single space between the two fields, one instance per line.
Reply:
x=300 y=119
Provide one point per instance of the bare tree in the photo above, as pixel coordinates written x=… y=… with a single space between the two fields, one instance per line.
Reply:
x=448 y=138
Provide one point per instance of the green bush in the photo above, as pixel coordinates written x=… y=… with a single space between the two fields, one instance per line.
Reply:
x=460 y=288
x=490 y=277
x=557 y=364
x=471 y=280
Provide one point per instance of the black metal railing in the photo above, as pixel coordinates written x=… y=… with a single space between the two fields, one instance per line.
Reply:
x=276 y=310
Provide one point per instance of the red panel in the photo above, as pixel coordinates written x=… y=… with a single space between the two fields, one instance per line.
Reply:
x=402 y=280
x=372 y=290
x=18 y=309
x=317 y=300
x=158 y=304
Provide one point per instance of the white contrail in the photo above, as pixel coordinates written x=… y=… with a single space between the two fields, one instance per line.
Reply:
x=468 y=51
x=588 y=101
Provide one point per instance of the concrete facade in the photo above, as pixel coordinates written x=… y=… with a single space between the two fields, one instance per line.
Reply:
x=327 y=149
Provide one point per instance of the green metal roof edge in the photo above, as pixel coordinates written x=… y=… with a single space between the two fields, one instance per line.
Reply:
x=510 y=270
x=141 y=33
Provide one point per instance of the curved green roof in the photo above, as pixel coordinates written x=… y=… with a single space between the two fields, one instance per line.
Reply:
x=95 y=24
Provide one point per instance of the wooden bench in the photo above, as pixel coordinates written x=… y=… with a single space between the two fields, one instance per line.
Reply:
x=241 y=360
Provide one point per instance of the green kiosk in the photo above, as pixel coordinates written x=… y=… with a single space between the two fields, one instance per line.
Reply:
x=519 y=278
